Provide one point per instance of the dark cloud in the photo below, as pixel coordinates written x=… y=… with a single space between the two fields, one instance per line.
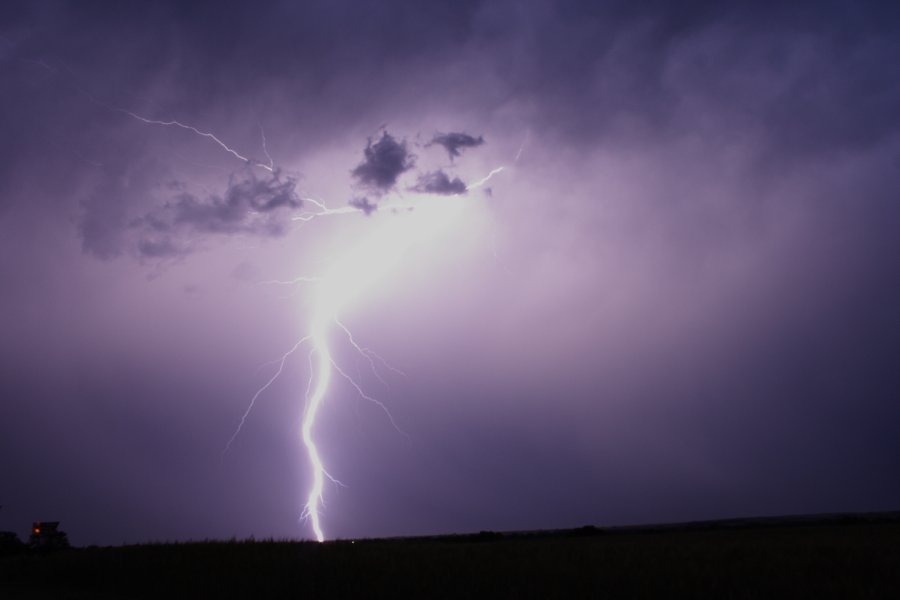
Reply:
x=245 y=207
x=385 y=160
x=250 y=206
x=438 y=182
x=363 y=204
x=453 y=143
x=714 y=287
x=608 y=71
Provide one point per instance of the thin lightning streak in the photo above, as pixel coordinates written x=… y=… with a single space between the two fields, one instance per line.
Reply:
x=262 y=133
x=369 y=398
x=385 y=363
x=171 y=123
x=324 y=211
x=485 y=179
x=369 y=359
x=294 y=281
x=205 y=134
x=522 y=147
x=369 y=354
x=260 y=391
x=362 y=351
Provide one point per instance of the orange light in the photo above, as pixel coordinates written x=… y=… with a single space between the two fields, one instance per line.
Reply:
x=36 y=530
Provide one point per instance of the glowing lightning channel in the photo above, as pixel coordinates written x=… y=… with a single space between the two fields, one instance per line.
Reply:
x=322 y=378
x=349 y=277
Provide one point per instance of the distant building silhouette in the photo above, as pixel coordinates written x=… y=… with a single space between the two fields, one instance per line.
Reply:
x=45 y=535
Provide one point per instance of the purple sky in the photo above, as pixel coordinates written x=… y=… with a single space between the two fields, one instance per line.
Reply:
x=679 y=300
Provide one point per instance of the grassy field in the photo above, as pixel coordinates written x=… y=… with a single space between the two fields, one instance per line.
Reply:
x=834 y=559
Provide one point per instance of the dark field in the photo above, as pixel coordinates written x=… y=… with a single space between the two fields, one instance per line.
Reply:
x=834 y=558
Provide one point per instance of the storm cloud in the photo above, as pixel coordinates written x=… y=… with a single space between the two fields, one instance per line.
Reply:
x=364 y=204
x=438 y=182
x=454 y=143
x=236 y=211
x=385 y=160
x=250 y=206
x=680 y=300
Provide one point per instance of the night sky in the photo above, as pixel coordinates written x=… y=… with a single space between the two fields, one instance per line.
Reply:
x=679 y=299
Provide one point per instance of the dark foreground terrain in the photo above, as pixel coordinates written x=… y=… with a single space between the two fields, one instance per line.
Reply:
x=832 y=557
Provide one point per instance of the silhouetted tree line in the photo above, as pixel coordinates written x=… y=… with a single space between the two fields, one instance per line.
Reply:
x=45 y=537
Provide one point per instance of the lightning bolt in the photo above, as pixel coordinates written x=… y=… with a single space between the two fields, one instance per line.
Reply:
x=322 y=378
x=333 y=292
x=321 y=361
x=322 y=366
